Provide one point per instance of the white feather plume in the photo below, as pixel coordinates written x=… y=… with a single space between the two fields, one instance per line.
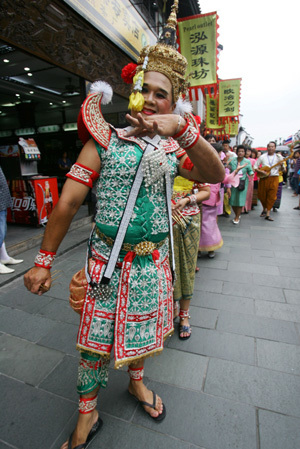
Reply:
x=183 y=107
x=102 y=87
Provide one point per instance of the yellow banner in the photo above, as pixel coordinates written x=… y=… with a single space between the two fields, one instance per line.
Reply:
x=198 y=43
x=229 y=98
x=232 y=128
x=212 y=118
x=119 y=21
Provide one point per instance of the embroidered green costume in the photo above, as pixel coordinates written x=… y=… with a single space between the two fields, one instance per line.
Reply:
x=139 y=313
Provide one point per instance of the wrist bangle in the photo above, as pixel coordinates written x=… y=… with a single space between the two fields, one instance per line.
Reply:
x=44 y=259
x=193 y=200
x=188 y=136
x=178 y=125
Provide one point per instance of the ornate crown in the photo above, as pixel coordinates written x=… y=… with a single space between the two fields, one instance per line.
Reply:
x=163 y=58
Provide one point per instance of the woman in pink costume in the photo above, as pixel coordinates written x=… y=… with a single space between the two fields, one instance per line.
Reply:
x=211 y=238
x=248 y=204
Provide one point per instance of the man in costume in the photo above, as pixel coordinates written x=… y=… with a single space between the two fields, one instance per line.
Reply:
x=269 y=180
x=127 y=303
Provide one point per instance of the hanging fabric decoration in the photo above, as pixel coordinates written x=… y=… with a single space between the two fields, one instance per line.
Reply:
x=198 y=37
x=229 y=99
x=212 y=117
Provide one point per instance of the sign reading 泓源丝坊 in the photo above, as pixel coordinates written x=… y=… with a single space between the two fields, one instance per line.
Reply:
x=229 y=98
x=198 y=43
x=119 y=21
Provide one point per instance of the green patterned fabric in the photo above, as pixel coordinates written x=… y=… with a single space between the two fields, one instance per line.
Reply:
x=139 y=314
x=186 y=243
x=92 y=372
x=149 y=219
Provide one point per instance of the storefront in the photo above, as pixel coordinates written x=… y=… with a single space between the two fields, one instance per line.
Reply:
x=49 y=53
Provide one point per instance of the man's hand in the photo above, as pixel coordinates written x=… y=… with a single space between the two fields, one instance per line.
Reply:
x=239 y=167
x=38 y=280
x=262 y=172
x=165 y=125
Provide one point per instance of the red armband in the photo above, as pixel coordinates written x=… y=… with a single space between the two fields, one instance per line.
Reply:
x=188 y=164
x=82 y=174
x=188 y=136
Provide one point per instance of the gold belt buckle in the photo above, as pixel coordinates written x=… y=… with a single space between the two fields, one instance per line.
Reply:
x=144 y=248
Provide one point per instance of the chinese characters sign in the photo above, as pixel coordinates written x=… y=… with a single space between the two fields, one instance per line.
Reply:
x=232 y=128
x=212 y=116
x=229 y=98
x=198 y=43
x=119 y=21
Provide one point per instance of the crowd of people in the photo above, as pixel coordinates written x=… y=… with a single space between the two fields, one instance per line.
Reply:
x=262 y=176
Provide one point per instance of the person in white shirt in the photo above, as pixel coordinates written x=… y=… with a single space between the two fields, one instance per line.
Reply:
x=269 y=179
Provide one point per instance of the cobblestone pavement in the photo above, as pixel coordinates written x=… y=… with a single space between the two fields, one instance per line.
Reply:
x=234 y=384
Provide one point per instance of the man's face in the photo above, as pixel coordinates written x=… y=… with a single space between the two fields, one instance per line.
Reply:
x=271 y=148
x=240 y=153
x=226 y=147
x=157 y=92
x=211 y=140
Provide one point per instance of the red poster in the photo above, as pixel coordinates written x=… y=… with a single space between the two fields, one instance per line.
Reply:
x=23 y=208
x=46 y=197
x=32 y=200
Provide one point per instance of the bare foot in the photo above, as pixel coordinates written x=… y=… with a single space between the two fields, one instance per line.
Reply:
x=141 y=392
x=83 y=427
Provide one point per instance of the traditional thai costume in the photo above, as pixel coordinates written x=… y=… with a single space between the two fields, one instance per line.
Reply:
x=250 y=188
x=132 y=314
x=268 y=186
x=186 y=239
x=211 y=238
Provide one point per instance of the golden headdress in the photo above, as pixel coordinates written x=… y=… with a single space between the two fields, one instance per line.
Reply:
x=163 y=58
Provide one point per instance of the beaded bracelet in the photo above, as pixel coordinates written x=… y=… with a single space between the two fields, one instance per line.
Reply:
x=188 y=136
x=193 y=200
x=44 y=259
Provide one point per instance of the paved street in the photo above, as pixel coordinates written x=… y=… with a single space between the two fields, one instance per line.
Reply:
x=235 y=384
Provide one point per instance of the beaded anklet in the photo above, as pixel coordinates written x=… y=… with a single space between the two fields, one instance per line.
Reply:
x=136 y=373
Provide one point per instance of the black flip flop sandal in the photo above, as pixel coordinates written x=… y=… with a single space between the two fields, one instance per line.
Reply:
x=269 y=218
x=186 y=330
x=158 y=418
x=93 y=432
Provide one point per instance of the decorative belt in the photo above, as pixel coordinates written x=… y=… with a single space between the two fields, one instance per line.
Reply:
x=141 y=249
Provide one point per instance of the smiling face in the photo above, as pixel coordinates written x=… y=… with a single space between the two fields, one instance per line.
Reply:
x=157 y=92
